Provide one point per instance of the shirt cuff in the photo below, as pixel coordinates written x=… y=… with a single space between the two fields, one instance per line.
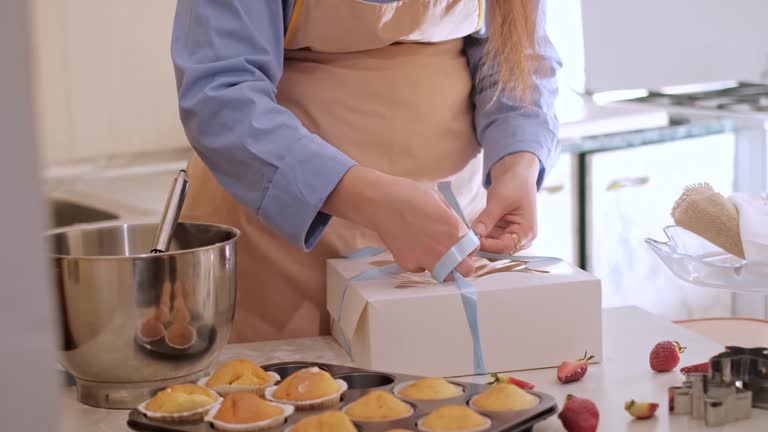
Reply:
x=299 y=189
x=514 y=138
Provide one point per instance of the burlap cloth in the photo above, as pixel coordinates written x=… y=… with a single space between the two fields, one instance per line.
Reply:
x=708 y=214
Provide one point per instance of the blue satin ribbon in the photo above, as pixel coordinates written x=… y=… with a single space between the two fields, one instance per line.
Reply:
x=440 y=271
x=469 y=299
x=454 y=256
x=371 y=274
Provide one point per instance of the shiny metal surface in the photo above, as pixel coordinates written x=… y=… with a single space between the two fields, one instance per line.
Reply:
x=171 y=213
x=130 y=319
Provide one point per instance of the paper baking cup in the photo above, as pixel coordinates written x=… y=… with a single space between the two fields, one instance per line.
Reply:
x=225 y=390
x=194 y=415
x=181 y=347
x=363 y=421
x=326 y=402
x=266 y=424
x=476 y=429
x=407 y=383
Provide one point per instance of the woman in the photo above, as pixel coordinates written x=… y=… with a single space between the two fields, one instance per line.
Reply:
x=322 y=126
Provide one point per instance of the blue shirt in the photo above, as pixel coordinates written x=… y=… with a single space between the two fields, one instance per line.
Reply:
x=228 y=58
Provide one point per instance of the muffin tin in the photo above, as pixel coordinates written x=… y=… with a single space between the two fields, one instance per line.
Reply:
x=361 y=381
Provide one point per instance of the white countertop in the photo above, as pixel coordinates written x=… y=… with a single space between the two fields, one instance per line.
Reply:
x=580 y=117
x=629 y=333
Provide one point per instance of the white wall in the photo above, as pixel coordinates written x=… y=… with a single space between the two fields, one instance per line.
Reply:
x=652 y=43
x=27 y=374
x=564 y=27
x=104 y=78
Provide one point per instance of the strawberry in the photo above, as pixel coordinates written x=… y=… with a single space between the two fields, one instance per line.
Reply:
x=665 y=356
x=697 y=368
x=570 y=371
x=641 y=410
x=579 y=415
x=518 y=382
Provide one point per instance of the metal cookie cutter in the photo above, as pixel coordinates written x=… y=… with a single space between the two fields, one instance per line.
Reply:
x=736 y=382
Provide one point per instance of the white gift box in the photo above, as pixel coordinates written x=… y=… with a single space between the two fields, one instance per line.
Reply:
x=526 y=320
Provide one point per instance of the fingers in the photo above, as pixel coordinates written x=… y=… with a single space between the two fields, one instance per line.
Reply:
x=487 y=219
x=465 y=268
x=412 y=268
x=512 y=241
x=501 y=245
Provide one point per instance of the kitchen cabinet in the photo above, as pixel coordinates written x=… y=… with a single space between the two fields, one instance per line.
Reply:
x=557 y=207
x=629 y=195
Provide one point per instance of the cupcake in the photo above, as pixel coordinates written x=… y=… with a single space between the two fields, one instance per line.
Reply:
x=503 y=397
x=151 y=329
x=180 y=335
x=428 y=389
x=309 y=388
x=245 y=412
x=457 y=418
x=240 y=375
x=329 y=421
x=181 y=402
x=378 y=406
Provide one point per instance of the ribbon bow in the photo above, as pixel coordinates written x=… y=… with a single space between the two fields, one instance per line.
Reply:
x=440 y=272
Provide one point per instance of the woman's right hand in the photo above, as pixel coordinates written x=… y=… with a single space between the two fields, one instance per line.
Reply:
x=412 y=219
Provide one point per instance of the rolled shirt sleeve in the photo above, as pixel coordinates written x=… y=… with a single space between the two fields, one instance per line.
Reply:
x=508 y=125
x=228 y=59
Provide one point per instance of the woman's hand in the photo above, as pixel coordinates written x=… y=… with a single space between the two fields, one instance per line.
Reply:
x=508 y=223
x=412 y=219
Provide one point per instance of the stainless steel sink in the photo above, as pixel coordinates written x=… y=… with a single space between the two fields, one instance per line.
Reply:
x=66 y=213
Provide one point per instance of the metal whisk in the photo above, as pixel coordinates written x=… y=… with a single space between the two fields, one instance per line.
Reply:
x=171 y=213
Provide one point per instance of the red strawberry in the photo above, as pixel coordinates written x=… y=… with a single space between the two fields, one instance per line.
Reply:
x=697 y=368
x=641 y=410
x=579 y=415
x=518 y=382
x=665 y=356
x=570 y=371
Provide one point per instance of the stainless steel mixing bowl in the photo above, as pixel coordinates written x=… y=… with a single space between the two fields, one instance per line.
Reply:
x=132 y=322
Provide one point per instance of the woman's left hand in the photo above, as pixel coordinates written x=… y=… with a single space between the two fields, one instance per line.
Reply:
x=508 y=223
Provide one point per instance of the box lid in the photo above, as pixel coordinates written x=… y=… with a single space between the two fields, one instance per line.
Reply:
x=351 y=297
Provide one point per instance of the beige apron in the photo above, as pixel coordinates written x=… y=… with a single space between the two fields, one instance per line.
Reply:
x=401 y=108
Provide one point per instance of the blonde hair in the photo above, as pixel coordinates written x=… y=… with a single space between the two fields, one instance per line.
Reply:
x=510 y=51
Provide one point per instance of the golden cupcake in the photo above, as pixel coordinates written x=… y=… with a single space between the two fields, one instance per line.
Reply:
x=504 y=397
x=308 y=388
x=240 y=375
x=180 y=402
x=378 y=406
x=245 y=411
x=151 y=329
x=428 y=389
x=454 y=418
x=180 y=335
x=329 y=421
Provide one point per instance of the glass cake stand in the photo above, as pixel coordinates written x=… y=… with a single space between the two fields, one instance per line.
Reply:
x=697 y=261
